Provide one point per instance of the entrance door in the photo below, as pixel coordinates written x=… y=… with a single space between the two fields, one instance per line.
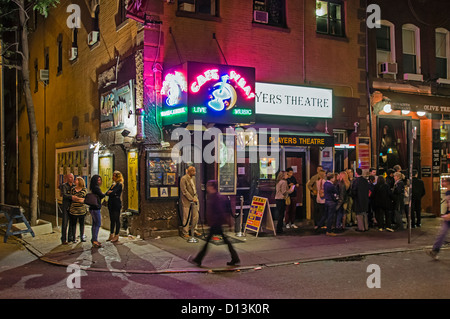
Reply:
x=296 y=160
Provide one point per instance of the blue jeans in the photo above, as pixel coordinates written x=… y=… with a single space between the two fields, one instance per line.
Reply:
x=96 y=222
x=330 y=208
x=441 y=237
x=339 y=217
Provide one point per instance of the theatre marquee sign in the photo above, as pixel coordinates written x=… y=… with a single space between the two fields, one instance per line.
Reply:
x=290 y=100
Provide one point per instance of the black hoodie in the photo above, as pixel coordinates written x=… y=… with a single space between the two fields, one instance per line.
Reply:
x=95 y=189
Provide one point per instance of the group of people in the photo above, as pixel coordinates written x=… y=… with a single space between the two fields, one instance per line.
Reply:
x=74 y=209
x=350 y=199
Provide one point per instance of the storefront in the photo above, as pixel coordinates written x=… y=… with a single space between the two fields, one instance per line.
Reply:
x=412 y=127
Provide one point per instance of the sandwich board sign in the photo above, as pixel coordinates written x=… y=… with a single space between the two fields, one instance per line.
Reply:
x=259 y=216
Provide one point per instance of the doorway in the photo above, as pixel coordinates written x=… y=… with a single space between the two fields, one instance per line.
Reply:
x=296 y=160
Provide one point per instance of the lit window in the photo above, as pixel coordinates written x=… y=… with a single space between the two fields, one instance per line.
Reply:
x=330 y=17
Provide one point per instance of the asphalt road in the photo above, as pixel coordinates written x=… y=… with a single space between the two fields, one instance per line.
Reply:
x=403 y=275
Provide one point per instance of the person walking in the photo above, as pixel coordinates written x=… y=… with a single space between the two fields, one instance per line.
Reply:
x=360 y=192
x=282 y=192
x=292 y=207
x=95 y=210
x=189 y=203
x=114 y=194
x=77 y=211
x=381 y=200
x=418 y=192
x=398 y=194
x=217 y=215
x=66 y=193
x=331 y=200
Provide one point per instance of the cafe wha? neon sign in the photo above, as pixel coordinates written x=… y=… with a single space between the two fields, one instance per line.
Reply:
x=224 y=95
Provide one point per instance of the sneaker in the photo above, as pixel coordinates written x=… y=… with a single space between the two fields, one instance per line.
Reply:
x=380 y=229
x=288 y=226
x=433 y=254
x=294 y=226
x=390 y=230
x=234 y=262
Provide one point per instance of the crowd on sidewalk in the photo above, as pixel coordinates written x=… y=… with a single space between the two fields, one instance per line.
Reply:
x=349 y=199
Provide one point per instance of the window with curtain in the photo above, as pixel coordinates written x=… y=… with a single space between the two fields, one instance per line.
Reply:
x=441 y=54
x=409 y=50
x=330 y=17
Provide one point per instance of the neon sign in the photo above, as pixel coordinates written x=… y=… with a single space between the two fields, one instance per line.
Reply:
x=173 y=86
x=213 y=74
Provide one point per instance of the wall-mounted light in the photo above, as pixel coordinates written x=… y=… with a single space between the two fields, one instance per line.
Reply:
x=405 y=112
x=387 y=108
x=421 y=113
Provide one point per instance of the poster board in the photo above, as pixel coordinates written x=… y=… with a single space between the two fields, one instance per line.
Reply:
x=363 y=154
x=259 y=216
x=162 y=176
x=227 y=164
x=73 y=160
x=133 y=194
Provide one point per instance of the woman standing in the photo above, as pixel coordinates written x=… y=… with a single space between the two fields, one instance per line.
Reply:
x=77 y=210
x=343 y=190
x=115 y=205
x=96 y=182
x=282 y=191
x=381 y=199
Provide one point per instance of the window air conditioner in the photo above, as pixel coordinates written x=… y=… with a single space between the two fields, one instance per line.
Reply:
x=93 y=37
x=387 y=68
x=43 y=75
x=73 y=53
x=261 y=16
x=187 y=7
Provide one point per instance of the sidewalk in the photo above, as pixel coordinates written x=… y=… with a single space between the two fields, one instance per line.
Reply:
x=171 y=254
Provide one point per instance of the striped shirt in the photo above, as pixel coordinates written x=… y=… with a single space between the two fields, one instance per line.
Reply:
x=76 y=208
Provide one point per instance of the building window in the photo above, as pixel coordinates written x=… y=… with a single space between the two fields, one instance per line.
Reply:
x=121 y=16
x=270 y=12
x=386 y=48
x=411 y=49
x=60 y=54
x=442 y=42
x=207 y=7
x=330 y=17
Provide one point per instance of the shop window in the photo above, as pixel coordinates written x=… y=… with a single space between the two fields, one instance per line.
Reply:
x=205 y=7
x=330 y=17
x=411 y=49
x=442 y=41
x=270 y=12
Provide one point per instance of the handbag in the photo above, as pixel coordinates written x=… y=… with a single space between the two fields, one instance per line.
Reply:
x=91 y=199
x=288 y=200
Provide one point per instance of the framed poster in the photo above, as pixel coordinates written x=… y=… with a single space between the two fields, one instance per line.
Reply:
x=133 y=193
x=226 y=164
x=105 y=170
x=162 y=176
x=363 y=154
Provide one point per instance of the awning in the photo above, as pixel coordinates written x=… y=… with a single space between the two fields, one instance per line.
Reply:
x=285 y=138
x=418 y=102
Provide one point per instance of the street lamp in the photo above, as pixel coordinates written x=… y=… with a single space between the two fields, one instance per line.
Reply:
x=387 y=108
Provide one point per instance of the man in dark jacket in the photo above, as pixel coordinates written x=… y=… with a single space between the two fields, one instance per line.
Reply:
x=66 y=193
x=216 y=214
x=418 y=191
x=360 y=193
